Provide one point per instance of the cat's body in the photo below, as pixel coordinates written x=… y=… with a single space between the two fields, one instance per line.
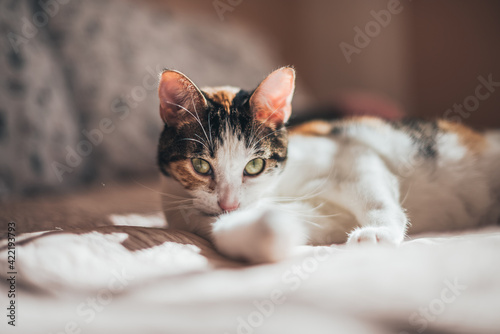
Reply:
x=356 y=180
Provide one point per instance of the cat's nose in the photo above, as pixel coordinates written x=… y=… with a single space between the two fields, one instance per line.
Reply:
x=229 y=206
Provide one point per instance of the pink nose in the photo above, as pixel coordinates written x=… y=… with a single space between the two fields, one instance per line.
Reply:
x=229 y=206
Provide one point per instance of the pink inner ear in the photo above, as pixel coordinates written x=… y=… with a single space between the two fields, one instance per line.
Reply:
x=178 y=94
x=272 y=100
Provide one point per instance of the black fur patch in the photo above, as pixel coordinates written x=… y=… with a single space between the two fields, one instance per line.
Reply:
x=422 y=133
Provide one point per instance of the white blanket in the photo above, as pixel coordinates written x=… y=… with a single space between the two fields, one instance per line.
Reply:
x=125 y=279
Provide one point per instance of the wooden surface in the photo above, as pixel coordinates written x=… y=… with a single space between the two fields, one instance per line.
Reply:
x=84 y=209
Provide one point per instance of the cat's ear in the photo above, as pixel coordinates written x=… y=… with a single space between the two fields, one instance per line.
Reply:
x=272 y=100
x=180 y=99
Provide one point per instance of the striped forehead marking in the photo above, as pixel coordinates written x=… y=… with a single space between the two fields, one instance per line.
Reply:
x=222 y=95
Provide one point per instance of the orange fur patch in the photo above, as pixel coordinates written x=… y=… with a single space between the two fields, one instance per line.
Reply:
x=313 y=128
x=182 y=171
x=323 y=128
x=471 y=139
x=367 y=120
x=223 y=97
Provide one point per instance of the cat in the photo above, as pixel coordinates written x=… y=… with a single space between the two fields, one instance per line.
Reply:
x=234 y=174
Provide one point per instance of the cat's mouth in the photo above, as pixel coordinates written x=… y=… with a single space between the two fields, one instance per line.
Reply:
x=209 y=214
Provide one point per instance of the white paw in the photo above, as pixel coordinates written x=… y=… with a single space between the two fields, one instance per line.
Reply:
x=375 y=235
x=280 y=233
x=268 y=236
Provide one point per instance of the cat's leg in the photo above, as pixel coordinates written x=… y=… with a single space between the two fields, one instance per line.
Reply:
x=258 y=235
x=371 y=192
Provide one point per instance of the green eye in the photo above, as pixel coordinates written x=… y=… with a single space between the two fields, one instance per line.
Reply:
x=254 y=167
x=201 y=166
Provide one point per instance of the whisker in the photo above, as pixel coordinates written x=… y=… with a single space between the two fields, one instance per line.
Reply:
x=179 y=207
x=190 y=113
x=322 y=216
x=267 y=136
x=406 y=196
x=201 y=139
x=309 y=195
x=195 y=140
x=298 y=213
x=159 y=192
x=210 y=131
x=199 y=120
x=312 y=223
x=182 y=201
x=264 y=122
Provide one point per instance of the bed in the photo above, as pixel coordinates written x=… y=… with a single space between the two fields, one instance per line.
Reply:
x=102 y=261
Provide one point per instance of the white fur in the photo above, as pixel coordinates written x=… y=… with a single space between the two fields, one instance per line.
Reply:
x=213 y=90
x=258 y=234
x=364 y=187
x=232 y=155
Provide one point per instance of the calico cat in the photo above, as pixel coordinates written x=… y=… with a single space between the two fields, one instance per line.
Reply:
x=234 y=174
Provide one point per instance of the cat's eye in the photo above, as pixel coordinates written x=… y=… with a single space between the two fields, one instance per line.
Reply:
x=254 y=167
x=201 y=166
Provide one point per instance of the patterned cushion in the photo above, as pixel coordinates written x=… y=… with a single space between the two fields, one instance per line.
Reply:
x=103 y=57
x=113 y=53
x=37 y=117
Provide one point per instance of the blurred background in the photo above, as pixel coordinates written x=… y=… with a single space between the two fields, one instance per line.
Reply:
x=78 y=103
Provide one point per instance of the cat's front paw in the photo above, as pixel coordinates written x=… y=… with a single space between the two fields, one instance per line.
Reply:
x=280 y=233
x=375 y=235
x=263 y=237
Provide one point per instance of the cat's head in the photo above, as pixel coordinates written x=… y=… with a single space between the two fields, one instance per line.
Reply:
x=224 y=145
